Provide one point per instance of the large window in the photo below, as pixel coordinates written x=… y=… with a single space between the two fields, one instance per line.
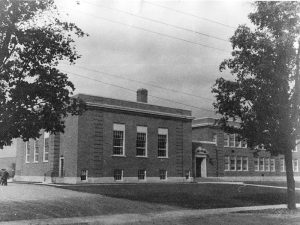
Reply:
x=272 y=165
x=162 y=174
x=226 y=140
x=239 y=163
x=267 y=164
x=297 y=148
x=141 y=141
x=163 y=143
x=27 y=152
x=46 y=146
x=119 y=139
x=215 y=138
x=238 y=142
x=227 y=163
x=142 y=174
x=261 y=164
x=36 y=151
x=232 y=163
x=245 y=163
x=295 y=165
x=231 y=140
x=118 y=175
x=282 y=165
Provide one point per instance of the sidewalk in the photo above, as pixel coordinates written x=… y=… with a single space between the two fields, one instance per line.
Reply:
x=140 y=218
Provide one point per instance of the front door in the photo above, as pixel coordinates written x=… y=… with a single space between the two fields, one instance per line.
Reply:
x=198 y=166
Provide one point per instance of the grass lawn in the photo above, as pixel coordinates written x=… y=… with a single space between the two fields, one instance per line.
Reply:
x=193 y=196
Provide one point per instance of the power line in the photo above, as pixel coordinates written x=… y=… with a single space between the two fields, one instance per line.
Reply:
x=159 y=22
x=128 y=89
x=155 y=32
x=189 y=14
x=141 y=82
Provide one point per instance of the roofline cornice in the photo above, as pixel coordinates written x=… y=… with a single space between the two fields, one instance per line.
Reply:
x=136 y=110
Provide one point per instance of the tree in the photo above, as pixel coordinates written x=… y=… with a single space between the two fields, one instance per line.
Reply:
x=34 y=94
x=264 y=95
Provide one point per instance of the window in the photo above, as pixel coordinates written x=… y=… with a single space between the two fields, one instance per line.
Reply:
x=272 y=165
x=244 y=143
x=162 y=174
x=232 y=163
x=231 y=140
x=36 y=151
x=119 y=139
x=27 y=152
x=141 y=141
x=46 y=146
x=256 y=164
x=267 y=164
x=214 y=138
x=142 y=174
x=238 y=142
x=239 y=163
x=297 y=146
x=245 y=164
x=226 y=140
x=162 y=142
x=261 y=164
x=187 y=174
x=226 y=163
x=118 y=174
x=295 y=165
x=282 y=165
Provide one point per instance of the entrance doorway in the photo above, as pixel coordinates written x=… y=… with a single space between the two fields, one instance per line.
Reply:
x=201 y=167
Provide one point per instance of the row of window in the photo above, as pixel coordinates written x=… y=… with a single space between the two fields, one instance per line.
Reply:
x=141 y=141
x=36 y=149
x=236 y=163
x=234 y=140
x=240 y=163
x=141 y=174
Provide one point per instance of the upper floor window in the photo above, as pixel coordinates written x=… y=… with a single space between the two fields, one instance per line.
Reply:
x=226 y=163
x=238 y=143
x=36 y=151
x=118 y=139
x=214 y=138
x=297 y=147
x=256 y=164
x=267 y=164
x=141 y=141
x=162 y=142
x=46 y=146
x=244 y=143
x=226 y=140
x=27 y=152
x=231 y=140
x=295 y=165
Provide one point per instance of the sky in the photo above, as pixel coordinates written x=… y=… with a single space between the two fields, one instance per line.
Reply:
x=171 y=48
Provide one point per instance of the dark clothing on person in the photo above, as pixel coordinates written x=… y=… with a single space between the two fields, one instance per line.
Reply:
x=4 y=178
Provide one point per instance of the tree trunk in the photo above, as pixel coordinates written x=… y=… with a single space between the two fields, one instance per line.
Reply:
x=291 y=203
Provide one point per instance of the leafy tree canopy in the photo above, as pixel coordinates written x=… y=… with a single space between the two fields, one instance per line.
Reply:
x=262 y=94
x=34 y=94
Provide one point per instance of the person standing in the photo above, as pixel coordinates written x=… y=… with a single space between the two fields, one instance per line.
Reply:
x=4 y=178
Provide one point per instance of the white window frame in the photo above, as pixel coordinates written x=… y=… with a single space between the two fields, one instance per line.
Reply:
x=282 y=165
x=267 y=165
x=165 y=174
x=272 y=165
x=247 y=163
x=46 y=135
x=232 y=135
x=236 y=141
x=164 y=131
x=27 y=152
x=36 y=153
x=215 y=138
x=226 y=140
x=297 y=146
x=295 y=168
x=122 y=173
x=121 y=128
x=245 y=142
x=261 y=165
x=144 y=174
x=241 y=164
x=232 y=158
x=227 y=160
x=143 y=130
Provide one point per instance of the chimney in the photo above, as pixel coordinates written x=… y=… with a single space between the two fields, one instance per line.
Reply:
x=142 y=95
